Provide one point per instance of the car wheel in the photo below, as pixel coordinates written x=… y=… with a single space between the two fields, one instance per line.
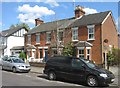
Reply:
x=92 y=81
x=14 y=69
x=51 y=75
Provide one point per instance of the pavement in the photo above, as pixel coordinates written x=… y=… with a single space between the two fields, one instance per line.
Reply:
x=38 y=70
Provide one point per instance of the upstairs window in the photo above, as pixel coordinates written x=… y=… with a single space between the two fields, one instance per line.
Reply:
x=48 y=36
x=75 y=34
x=91 y=32
x=61 y=36
x=38 y=38
x=29 y=39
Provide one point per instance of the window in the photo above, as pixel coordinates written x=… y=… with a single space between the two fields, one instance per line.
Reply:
x=48 y=37
x=37 y=38
x=75 y=33
x=41 y=54
x=61 y=36
x=88 y=54
x=91 y=32
x=77 y=63
x=81 y=53
x=29 y=39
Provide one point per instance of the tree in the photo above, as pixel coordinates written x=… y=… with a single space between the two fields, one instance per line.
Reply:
x=12 y=26
x=22 y=55
x=68 y=50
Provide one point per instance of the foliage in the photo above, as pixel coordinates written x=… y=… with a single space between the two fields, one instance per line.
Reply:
x=12 y=26
x=26 y=26
x=22 y=55
x=68 y=50
x=114 y=57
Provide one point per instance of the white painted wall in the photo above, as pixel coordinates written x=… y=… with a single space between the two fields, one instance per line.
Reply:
x=13 y=41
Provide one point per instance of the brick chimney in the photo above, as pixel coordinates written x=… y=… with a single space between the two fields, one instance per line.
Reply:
x=79 y=11
x=38 y=21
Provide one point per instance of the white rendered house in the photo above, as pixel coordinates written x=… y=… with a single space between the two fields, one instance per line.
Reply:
x=11 y=38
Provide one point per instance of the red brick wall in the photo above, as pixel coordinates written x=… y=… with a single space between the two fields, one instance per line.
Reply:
x=109 y=32
x=96 y=48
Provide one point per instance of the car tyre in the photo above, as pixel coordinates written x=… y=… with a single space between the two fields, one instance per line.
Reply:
x=51 y=75
x=14 y=69
x=92 y=81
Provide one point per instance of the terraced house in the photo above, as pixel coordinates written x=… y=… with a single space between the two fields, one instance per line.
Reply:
x=92 y=35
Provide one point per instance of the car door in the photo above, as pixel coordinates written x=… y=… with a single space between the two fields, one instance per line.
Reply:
x=9 y=64
x=78 y=72
x=4 y=62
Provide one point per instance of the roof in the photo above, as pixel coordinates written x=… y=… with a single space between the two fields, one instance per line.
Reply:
x=17 y=48
x=90 y=19
x=83 y=44
x=10 y=31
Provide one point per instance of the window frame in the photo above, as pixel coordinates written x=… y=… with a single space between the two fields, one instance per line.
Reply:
x=75 y=35
x=88 y=48
x=38 y=34
x=48 y=36
x=29 y=39
x=93 y=33
x=81 y=48
x=61 y=31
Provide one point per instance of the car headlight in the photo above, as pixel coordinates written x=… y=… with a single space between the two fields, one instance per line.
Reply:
x=103 y=75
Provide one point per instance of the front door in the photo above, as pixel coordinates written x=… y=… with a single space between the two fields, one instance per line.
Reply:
x=46 y=54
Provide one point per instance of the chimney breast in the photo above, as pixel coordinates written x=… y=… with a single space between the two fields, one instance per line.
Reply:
x=79 y=11
x=38 y=21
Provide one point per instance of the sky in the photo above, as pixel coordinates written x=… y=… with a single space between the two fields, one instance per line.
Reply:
x=15 y=12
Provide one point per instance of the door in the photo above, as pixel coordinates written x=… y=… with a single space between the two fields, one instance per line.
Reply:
x=46 y=54
x=78 y=72
x=9 y=64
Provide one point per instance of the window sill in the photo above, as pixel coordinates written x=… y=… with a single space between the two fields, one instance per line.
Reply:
x=91 y=39
x=75 y=40
x=28 y=44
x=48 y=42
x=37 y=44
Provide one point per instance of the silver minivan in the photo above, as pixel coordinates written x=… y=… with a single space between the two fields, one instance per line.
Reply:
x=15 y=64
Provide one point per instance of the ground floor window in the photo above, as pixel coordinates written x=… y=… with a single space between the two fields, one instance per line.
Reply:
x=41 y=54
x=88 y=54
x=81 y=53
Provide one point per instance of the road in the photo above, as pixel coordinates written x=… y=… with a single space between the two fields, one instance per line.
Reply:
x=32 y=79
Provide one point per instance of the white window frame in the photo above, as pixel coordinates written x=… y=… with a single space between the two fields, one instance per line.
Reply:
x=59 y=35
x=37 y=42
x=80 y=48
x=29 y=39
x=48 y=34
x=88 y=48
x=93 y=33
x=75 y=35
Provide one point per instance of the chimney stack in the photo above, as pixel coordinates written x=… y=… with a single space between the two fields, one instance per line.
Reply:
x=38 y=22
x=79 y=11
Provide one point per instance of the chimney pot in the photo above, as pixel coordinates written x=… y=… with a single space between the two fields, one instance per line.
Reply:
x=79 y=11
x=38 y=22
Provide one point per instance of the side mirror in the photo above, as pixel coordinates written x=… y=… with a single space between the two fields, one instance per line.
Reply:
x=83 y=66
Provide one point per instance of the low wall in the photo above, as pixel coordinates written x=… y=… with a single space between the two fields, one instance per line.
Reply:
x=37 y=64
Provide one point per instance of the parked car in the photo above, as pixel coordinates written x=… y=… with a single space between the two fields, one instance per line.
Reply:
x=77 y=69
x=15 y=64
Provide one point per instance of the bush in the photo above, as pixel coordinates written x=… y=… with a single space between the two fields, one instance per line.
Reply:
x=22 y=55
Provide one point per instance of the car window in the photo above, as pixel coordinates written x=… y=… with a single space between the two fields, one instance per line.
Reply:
x=17 y=60
x=9 y=60
x=5 y=58
x=77 y=63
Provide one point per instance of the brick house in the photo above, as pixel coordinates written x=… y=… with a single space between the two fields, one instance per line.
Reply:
x=91 y=34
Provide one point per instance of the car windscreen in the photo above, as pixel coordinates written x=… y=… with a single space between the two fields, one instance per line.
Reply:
x=17 y=60
x=89 y=63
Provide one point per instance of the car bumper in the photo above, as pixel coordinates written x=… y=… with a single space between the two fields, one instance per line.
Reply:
x=105 y=81
x=23 y=70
